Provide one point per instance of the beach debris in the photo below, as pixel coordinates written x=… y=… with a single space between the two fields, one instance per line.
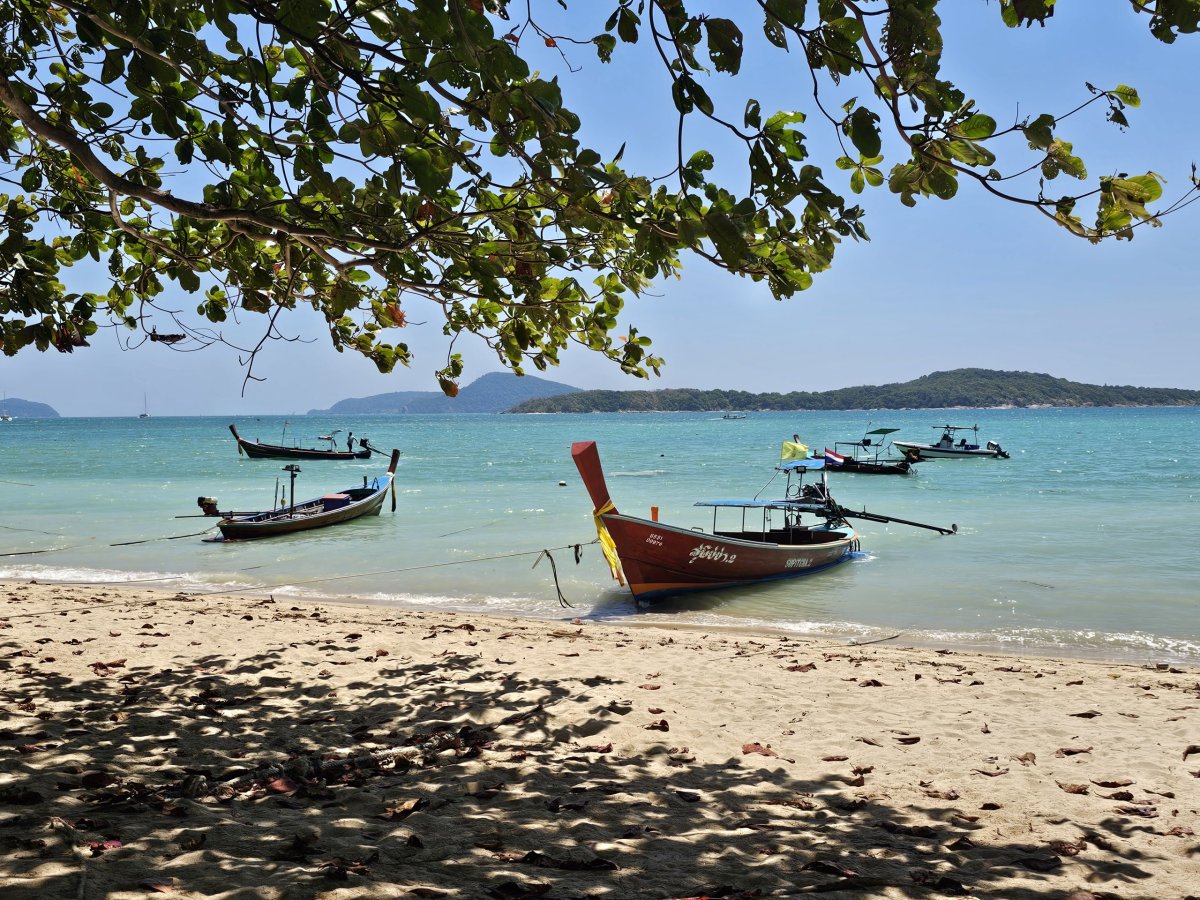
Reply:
x=991 y=806
x=1191 y=748
x=1178 y=831
x=98 y=847
x=1089 y=714
x=927 y=831
x=991 y=773
x=942 y=884
x=907 y=739
x=829 y=867
x=1072 y=751
x=650 y=687
x=340 y=869
x=867 y=740
x=99 y=779
x=660 y=725
x=1116 y=783
x=1027 y=759
x=1146 y=812
x=941 y=795
x=192 y=840
x=831 y=758
x=1072 y=788
x=1068 y=848
x=802 y=667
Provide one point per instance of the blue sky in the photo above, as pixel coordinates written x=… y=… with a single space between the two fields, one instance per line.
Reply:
x=970 y=282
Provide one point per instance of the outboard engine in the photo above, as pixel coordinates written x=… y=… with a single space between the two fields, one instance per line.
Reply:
x=999 y=451
x=208 y=505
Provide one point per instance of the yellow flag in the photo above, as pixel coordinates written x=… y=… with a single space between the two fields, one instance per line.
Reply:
x=607 y=545
x=793 y=450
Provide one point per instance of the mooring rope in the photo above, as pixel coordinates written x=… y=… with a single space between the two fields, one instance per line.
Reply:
x=576 y=547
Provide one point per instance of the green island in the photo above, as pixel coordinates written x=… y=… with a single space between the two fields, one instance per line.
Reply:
x=974 y=388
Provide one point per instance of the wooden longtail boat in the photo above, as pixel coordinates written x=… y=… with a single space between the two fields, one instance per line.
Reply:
x=259 y=450
x=869 y=456
x=657 y=559
x=331 y=509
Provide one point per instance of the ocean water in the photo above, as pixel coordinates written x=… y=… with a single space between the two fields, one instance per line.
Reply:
x=1086 y=541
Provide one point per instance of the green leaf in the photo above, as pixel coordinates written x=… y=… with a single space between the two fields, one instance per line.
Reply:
x=605 y=44
x=724 y=45
x=978 y=127
x=864 y=132
x=1127 y=95
x=753 y=114
x=727 y=238
x=1040 y=132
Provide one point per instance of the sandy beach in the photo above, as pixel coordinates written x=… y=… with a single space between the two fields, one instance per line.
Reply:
x=224 y=747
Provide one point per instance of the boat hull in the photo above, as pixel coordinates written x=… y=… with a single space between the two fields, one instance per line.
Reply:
x=901 y=467
x=259 y=450
x=332 y=509
x=928 y=451
x=659 y=560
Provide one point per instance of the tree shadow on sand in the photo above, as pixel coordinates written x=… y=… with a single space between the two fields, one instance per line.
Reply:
x=372 y=775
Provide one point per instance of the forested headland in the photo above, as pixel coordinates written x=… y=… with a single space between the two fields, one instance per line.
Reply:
x=975 y=388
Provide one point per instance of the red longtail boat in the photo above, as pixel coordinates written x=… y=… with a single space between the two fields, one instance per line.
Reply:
x=657 y=559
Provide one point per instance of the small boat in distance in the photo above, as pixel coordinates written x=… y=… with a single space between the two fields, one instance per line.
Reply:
x=946 y=448
x=145 y=413
x=331 y=509
x=733 y=415
x=259 y=450
x=869 y=455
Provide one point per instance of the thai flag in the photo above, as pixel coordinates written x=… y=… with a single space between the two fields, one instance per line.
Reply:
x=833 y=459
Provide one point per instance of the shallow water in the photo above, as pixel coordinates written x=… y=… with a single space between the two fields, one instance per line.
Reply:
x=1085 y=542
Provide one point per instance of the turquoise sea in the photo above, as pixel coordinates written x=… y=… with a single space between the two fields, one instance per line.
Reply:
x=1086 y=541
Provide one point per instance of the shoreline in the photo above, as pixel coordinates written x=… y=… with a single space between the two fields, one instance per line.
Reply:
x=250 y=746
x=865 y=635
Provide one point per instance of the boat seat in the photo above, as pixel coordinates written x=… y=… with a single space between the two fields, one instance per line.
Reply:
x=335 y=501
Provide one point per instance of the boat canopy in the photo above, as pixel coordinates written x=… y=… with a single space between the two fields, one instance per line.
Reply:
x=790 y=465
x=883 y=431
x=764 y=504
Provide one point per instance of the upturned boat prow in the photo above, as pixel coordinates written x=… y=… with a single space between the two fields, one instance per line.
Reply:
x=587 y=461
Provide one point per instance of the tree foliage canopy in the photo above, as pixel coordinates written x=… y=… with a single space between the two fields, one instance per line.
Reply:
x=363 y=156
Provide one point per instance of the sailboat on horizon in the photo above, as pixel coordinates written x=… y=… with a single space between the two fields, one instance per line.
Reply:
x=145 y=413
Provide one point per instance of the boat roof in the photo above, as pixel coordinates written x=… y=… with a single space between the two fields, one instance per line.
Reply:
x=883 y=431
x=790 y=465
x=957 y=427
x=763 y=504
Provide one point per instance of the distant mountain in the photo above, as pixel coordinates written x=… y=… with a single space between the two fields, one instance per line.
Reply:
x=492 y=393
x=26 y=409
x=974 y=388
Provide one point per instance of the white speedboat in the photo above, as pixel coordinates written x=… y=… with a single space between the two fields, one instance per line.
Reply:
x=948 y=448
